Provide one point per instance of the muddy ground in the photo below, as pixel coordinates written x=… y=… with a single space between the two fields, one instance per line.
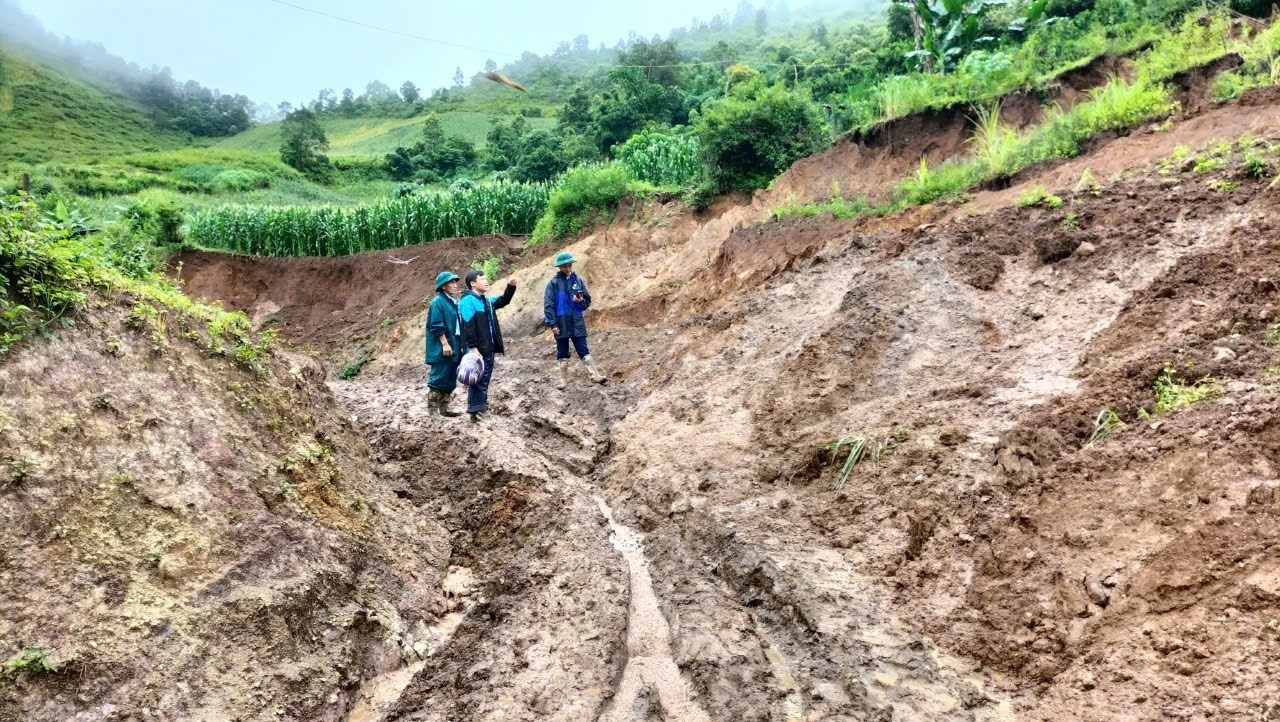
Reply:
x=1065 y=507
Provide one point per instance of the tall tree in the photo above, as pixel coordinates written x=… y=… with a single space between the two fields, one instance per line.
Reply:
x=458 y=78
x=490 y=66
x=581 y=44
x=303 y=144
x=762 y=21
x=409 y=92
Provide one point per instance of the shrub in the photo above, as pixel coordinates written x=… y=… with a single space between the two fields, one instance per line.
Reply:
x=43 y=275
x=583 y=194
x=751 y=136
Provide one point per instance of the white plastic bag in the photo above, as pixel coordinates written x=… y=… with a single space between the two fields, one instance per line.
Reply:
x=471 y=369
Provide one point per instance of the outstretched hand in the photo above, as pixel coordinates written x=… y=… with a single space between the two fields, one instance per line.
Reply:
x=511 y=282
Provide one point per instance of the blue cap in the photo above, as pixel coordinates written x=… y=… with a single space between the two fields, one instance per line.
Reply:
x=564 y=257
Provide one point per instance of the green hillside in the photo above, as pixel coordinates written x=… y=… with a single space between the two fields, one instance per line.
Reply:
x=46 y=115
x=376 y=136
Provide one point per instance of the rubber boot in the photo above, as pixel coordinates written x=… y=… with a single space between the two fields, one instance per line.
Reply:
x=590 y=363
x=443 y=405
x=564 y=373
x=433 y=402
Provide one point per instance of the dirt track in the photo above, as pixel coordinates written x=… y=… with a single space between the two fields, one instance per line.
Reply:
x=670 y=546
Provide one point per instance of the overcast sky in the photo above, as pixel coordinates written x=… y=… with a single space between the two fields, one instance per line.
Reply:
x=272 y=52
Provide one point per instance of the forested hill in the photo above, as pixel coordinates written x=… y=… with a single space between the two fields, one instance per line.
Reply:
x=169 y=104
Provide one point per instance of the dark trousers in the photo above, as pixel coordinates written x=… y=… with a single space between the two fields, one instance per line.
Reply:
x=444 y=375
x=478 y=394
x=579 y=345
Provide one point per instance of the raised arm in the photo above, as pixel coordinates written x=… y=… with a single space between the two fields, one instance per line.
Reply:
x=505 y=298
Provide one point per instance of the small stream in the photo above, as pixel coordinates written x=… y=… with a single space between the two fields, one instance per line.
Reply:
x=377 y=695
x=650 y=666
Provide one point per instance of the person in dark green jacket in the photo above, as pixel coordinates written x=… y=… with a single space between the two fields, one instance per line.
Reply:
x=444 y=345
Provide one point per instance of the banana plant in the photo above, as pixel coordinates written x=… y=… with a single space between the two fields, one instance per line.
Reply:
x=946 y=29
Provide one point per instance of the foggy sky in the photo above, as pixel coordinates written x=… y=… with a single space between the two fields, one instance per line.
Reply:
x=271 y=52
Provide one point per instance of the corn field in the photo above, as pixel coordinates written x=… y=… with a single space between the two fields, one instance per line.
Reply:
x=512 y=208
x=661 y=159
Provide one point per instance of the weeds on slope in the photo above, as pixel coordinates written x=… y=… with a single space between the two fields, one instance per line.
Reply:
x=1106 y=422
x=1173 y=392
x=47 y=274
x=1116 y=105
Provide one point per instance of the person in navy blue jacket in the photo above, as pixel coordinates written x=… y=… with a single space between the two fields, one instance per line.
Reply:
x=482 y=334
x=562 y=306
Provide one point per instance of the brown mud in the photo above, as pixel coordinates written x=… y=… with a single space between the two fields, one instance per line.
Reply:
x=680 y=543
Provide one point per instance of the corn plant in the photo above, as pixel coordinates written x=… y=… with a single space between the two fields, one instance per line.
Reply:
x=662 y=159
x=512 y=208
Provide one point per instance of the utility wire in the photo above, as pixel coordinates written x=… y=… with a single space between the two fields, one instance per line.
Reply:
x=393 y=31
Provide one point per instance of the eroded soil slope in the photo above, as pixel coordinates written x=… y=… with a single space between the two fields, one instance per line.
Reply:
x=683 y=544
x=182 y=538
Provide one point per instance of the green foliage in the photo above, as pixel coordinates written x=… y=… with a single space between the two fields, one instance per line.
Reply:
x=434 y=157
x=303 y=144
x=333 y=231
x=365 y=137
x=1172 y=392
x=31 y=660
x=751 y=136
x=994 y=143
x=583 y=195
x=43 y=273
x=1199 y=39
x=46 y=115
x=949 y=28
x=1257 y=165
x=630 y=103
x=352 y=369
x=1038 y=196
x=1105 y=423
x=857 y=448
x=663 y=159
x=490 y=265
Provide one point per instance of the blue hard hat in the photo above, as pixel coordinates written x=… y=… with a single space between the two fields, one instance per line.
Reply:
x=445 y=277
x=564 y=257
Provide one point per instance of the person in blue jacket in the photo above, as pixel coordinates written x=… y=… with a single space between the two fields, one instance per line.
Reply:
x=444 y=344
x=482 y=334
x=562 y=306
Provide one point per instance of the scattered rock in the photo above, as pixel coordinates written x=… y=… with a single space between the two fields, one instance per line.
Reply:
x=953 y=435
x=1222 y=353
x=1086 y=249
x=1036 y=312
x=1098 y=592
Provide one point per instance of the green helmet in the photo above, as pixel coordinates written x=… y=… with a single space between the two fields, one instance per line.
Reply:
x=445 y=277
x=564 y=257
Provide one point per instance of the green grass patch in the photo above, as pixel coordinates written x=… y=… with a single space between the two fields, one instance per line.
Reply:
x=1038 y=196
x=583 y=196
x=30 y=659
x=48 y=116
x=1173 y=392
x=1103 y=425
x=376 y=136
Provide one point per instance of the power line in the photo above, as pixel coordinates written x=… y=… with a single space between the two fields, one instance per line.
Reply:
x=393 y=31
